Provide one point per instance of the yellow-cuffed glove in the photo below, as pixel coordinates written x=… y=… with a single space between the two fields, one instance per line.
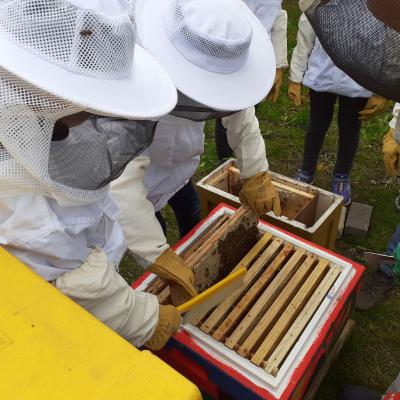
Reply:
x=276 y=88
x=294 y=92
x=260 y=195
x=391 y=153
x=170 y=268
x=375 y=105
x=169 y=319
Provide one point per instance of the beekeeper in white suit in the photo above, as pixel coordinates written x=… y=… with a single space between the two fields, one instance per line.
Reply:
x=212 y=51
x=60 y=62
x=275 y=20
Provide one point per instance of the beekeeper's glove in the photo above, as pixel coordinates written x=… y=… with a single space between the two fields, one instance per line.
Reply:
x=391 y=153
x=169 y=319
x=260 y=195
x=170 y=268
x=276 y=88
x=375 y=105
x=294 y=92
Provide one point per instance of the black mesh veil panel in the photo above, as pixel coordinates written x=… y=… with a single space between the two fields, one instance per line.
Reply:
x=190 y=109
x=363 y=46
x=97 y=152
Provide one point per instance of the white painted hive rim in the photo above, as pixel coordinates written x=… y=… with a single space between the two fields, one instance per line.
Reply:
x=312 y=229
x=257 y=375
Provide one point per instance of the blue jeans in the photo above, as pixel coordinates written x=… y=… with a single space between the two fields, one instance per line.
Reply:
x=186 y=206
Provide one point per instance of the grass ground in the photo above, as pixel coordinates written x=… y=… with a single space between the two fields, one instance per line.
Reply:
x=372 y=356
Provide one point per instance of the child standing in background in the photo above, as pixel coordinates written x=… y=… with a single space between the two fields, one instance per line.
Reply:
x=312 y=67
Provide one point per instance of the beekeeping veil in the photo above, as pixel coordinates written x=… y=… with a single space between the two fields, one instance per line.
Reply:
x=362 y=37
x=59 y=58
x=194 y=111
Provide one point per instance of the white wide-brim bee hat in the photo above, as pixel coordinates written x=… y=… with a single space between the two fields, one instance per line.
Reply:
x=85 y=52
x=216 y=51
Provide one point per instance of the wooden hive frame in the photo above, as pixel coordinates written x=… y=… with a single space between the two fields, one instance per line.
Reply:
x=283 y=289
x=310 y=322
x=315 y=279
x=309 y=212
x=222 y=245
x=297 y=203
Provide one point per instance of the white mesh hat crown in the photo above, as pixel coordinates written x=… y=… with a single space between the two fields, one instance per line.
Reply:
x=216 y=51
x=84 y=51
x=211 y=42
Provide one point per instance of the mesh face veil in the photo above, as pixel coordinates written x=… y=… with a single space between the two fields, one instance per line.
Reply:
x=96 y=44
x=74 y=170
x=190 y=109
x=363 y=39
x=97 y=152
x=27 y=118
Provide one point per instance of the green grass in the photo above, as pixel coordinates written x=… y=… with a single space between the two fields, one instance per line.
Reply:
x=372 y=356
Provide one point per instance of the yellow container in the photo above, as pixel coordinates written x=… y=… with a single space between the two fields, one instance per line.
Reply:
x=50 y=348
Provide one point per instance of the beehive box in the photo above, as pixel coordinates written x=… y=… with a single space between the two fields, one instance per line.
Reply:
x=268 y=340
x=307 y=211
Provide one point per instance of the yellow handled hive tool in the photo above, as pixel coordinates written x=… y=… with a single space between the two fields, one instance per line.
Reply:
x=197 y=307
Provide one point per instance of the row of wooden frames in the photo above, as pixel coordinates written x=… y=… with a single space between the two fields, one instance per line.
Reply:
x=284 y=286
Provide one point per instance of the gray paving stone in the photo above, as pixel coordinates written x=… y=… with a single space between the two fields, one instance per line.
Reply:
x=358 y=219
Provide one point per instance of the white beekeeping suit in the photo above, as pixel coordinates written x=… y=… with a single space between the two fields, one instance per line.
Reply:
x=393 y=121
x=169 y=168
x=274 y=19
x=174 y=157
x=179 y=139
x=311 y=66
x=56 y=214
x=179 y=143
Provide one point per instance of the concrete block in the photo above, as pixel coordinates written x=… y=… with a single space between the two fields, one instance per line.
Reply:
x=358 y=219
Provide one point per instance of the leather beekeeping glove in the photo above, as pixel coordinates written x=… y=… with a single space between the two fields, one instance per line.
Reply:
x=170 y=268
x=260 y=195
x=375 y=105
x=391 y=153
x=276 y=88
x=169 y=319
x=294 y=92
